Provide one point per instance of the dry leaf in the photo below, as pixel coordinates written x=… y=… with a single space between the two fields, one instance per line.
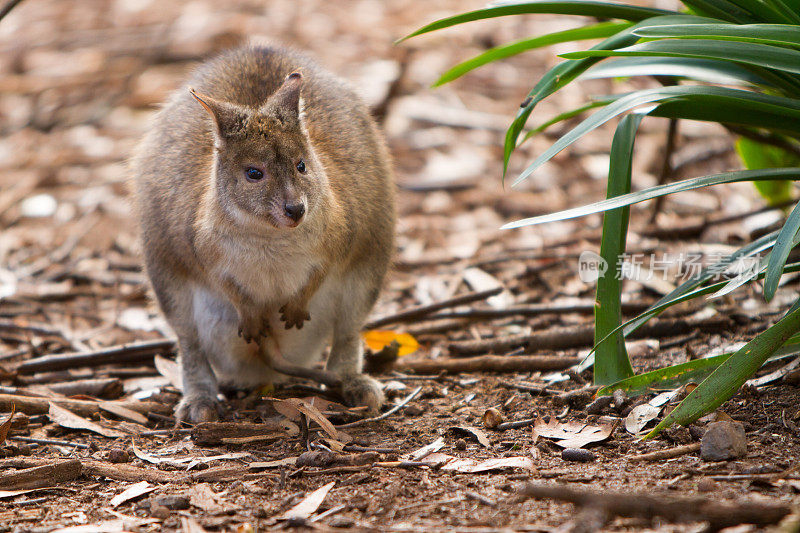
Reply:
x=170 y=370
x=481 y=437
x=68 y=419
x=480 y=280
x=309 y=504
x=448 y=462
x=289 y=406
x=640 y=416
x=123 y=412
x=5 y=426
x=378 y=339
x=572 y=434
x=286 y=461
x=423 y=452
x=204 y=498
x=134 y=491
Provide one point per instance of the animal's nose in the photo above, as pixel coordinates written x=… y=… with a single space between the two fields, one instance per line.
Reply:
x=295 y=211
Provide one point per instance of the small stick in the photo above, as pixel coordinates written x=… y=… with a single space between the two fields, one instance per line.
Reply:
x=541 y=390
x=488 y=363
x=423 y=310
x=37 y=406
x=387 y=414
x=532 y=310
x=41 y=476
x=123 y=472
x=638 y=504
x=54 y=442
x=125 y=353
x=667 y=454
x=579 y=336
x=516 y=424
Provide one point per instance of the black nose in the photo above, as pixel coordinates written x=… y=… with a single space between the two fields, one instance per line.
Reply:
x=295 y=211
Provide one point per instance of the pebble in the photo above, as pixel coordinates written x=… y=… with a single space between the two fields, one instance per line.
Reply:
x=577 y=455
x=723 y=441
x=116 y=455
x=413 y=410
x=175 y=502
x=461 y=445
x=492 y=418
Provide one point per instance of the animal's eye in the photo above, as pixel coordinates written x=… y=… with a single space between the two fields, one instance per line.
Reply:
x=301 y=167
x=253 y=174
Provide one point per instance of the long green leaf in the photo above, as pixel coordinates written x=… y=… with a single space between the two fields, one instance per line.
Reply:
x=733 y=101
x=611 y=359
x=563 y=73
x=605 y=10
x=596 y=31
x=707 y=70
x=726 y=380
x=693 y=371
x=666 y=378
x=661 y=190
x=762 y=55
x=780 y=252
x=720 y=9
x=779 y=34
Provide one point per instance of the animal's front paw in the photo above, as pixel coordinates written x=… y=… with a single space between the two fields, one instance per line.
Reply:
x=254 y=326
x=197 y=409
x=361 y=389
x=294 y=314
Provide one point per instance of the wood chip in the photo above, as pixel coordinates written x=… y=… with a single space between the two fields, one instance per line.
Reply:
x=132 y=492
x=68 y=419
x=202 y=497
x=308 y=505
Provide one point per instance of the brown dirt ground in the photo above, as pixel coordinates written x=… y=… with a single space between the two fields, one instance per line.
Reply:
x=79 y=81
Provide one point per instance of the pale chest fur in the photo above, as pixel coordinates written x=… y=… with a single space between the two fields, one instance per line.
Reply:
x=270 y=271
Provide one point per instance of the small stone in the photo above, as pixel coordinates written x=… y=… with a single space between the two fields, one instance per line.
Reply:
x=159 y=511
x=577 y=455
x=341 y=521
x=600 y=405
x=706 y=485
x=492 y=418
x=413 y=410
x=175 y=502
x=723 y=441
x=116 y=455
x=461 y=445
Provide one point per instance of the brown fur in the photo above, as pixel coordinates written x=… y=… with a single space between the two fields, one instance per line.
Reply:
x=201 y=220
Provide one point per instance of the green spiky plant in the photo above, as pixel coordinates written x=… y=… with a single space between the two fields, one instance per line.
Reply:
x=734 y=62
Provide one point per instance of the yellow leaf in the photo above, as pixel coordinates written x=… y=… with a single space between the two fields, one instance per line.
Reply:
x=378 y=339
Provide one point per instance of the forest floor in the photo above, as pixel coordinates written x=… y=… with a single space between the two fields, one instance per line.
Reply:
x=92 y=445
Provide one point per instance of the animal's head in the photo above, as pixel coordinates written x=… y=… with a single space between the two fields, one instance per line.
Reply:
x=265 y=171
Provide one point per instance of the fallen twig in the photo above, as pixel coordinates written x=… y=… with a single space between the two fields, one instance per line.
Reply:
x=36 y=406
x=54 y=442
x=667 y=454
x=41 y=476
x=580 y=336
x=125 y=353
x=387 y=414
x=423 y=310
x=636 y=504
x=487 y=363
x=531 y=310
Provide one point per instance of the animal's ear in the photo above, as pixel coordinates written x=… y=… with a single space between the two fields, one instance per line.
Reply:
x=228 y=118
x=285 y=103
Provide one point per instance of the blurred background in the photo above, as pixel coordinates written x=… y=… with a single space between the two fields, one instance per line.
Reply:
x=79 y=81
